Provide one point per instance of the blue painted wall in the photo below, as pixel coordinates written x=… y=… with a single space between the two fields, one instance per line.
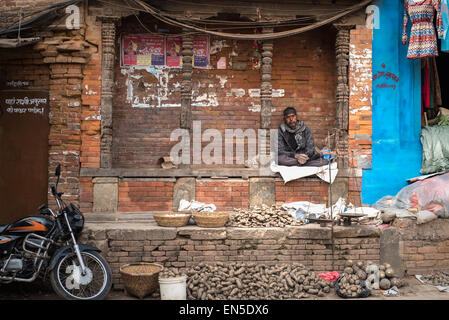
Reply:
x=396 y=112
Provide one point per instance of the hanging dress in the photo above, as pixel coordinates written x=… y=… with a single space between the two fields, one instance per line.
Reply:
x=423 y=40
x=445 y=17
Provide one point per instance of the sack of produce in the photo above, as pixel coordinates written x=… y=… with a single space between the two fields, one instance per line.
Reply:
x=346 y=287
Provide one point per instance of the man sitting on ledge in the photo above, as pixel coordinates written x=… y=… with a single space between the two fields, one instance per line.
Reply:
x=295 y=143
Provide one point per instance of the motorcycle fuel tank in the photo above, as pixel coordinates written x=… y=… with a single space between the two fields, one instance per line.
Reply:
x=38 y=225
x=7 y=243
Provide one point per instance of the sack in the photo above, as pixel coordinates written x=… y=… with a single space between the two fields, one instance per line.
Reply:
x=435 y=154
x=365 y=291
x=425 y=216
x=431 y=194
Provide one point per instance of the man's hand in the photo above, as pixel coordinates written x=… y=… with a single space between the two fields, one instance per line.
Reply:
x=301 y=157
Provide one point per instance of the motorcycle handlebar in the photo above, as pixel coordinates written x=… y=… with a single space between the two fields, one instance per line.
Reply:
x=53 y=189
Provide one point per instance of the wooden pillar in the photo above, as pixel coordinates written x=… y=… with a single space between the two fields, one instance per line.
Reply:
x=342 y=94
x=108 y=25
x=186 y=85
x=266 y=93
x=266 y=88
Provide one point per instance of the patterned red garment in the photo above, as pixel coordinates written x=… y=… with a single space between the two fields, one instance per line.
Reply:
x=423 y=40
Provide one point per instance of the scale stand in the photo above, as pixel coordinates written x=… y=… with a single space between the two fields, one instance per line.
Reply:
x=328 y=155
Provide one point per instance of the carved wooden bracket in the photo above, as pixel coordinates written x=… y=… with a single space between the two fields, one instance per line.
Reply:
x=108 y=26
x=342 y=93
x=266 y=87
x=186 y=84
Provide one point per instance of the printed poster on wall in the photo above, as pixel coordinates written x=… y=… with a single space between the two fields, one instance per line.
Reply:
x=173 y=51
x=201 y=51
x=143 y=50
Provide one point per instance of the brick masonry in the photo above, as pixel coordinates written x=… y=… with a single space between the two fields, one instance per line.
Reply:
x=150 y=194
x=187 y=246
x=425 y=247
x=145 y=196
x=303 y=76
x=422 y=248
x=360 y=82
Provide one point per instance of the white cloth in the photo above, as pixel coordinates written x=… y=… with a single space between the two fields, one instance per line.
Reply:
x=309 y=207
x=294 y=172
x=195 y=206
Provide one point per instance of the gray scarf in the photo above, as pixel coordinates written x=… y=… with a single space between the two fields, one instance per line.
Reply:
x=300 y=127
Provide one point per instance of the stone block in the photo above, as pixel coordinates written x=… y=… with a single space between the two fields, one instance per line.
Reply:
x=198 y=233
x=140 y=232
x=255 y=233
x=356 y=231
x=308 y=231
x=105 y=195
x=262 y=191
x=184 y=188
x=390 y=250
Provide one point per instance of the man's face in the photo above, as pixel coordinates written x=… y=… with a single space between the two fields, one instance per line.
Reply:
x=290 y=120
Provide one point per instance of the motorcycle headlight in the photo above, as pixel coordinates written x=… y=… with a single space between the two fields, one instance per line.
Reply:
x=76 y=218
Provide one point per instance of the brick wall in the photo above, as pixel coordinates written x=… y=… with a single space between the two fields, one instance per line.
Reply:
x=225 y=194
x=24 y=65
x=156 y=195
x=304 y=67
x=360 y=112
x=360 y=84
x=424 y=247
x=11 y=9
x=305 y=189
x=188 y=246
x=152 y=194
x=91 y=100
x=303 y=76
x=421 y=249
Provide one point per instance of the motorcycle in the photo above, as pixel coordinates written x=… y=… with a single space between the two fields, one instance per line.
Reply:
x=38 y=246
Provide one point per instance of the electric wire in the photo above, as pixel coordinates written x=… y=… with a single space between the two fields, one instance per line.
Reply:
x=265 y=36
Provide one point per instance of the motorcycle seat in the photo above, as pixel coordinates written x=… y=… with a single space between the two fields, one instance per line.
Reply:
x=3 y=227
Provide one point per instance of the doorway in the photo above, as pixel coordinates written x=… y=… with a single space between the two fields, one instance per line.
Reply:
x=24 y=131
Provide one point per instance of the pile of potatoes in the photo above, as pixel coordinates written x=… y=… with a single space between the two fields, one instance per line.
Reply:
x=170 y=273
x=351 y=279
x=251 y=281
x=354 y=272
x=387 y=277
x=262 y=216
x=437 y=279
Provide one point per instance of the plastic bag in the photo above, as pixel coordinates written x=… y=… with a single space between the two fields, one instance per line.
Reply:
x=435 y=143
x=431 y=194
x=365 y=291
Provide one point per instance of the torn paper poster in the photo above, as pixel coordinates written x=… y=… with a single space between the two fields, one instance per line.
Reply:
x=293 y=173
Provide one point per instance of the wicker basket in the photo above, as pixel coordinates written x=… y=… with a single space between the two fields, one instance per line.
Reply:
x=140 y=279
x=173 y=219
x=211 y=219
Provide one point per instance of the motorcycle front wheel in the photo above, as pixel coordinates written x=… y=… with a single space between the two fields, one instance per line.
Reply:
x=69 y=282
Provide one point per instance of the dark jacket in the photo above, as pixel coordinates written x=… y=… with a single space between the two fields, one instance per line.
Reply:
x=288 y=146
